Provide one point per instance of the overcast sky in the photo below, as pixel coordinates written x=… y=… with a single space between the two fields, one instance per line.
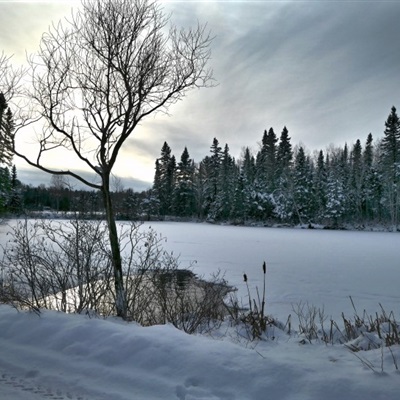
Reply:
x=327 y=70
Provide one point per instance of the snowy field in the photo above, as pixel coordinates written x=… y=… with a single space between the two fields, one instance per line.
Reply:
x=58 y=356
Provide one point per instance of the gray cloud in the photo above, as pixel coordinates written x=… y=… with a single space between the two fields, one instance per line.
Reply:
x=328 y=70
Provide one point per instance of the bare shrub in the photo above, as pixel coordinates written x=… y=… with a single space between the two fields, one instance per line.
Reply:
x=54 y=265
x=67 y=267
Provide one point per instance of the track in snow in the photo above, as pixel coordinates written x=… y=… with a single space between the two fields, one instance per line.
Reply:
x=35 y=392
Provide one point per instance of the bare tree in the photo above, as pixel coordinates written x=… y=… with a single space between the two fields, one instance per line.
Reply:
x=97 y=76
x=10 y=77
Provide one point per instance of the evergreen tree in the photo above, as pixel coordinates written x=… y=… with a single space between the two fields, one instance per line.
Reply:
x=336 y=198
x=184 y=195
x=284 y=153
x=266 y=162
x=214 y=168
x=265 y=182
x=283 y=191
x=226 y=185
x=5 y=188
x=390 y=166
x=391 y=142
x=16 y=198
x=6 y=132
x=211 y=167
x=240 y=201
x=164 y=180
x=356 y=180
x=201 y=186
x=372 y=185
x=320 y=183
x=302 y=186
x=245 y=187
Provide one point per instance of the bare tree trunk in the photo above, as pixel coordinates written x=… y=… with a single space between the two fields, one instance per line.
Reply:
x=120 y=298
x=95 y=78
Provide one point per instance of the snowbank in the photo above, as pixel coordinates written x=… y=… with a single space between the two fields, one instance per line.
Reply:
x=60 y=356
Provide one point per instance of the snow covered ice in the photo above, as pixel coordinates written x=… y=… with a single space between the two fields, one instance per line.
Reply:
x=60 y=356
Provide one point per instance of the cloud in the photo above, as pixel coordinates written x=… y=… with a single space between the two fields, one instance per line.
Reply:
x=326 y=70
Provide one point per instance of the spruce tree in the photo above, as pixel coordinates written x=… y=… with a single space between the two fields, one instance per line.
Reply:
x=282 y=194
x=164 y=180
x=265 y=182
x=184 y=203
x=336 y=194
x=212 y=168
x=391 y=141
x=6 y=132
x=226 y=185
x=284 y=153
x=202 y=187
x=5 y=188
x=356 y=180
x=247 y=185
x=302 y=186
x=372 y=185
x=266 y=167
x=390 y=166
x=319 y=189
x=15 y=198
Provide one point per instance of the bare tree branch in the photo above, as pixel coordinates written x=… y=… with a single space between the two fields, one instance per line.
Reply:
x=99 y=74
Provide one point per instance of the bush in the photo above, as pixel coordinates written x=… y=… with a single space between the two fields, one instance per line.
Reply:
x=67 y=267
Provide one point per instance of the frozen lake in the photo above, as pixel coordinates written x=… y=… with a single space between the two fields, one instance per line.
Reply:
x=321 y=267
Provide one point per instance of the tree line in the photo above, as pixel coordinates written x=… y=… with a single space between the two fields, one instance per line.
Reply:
x=279 y=183
x=356 y=184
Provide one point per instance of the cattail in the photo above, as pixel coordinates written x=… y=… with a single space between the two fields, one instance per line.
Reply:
x=264 y=268
x=245 y=277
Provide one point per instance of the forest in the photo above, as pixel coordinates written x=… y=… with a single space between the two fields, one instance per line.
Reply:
x=279 y=183
x=357 y=184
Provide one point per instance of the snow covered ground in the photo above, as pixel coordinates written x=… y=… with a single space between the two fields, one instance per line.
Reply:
x=58 y=356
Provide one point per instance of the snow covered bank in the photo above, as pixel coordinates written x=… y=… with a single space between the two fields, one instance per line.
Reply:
x=59 y=356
